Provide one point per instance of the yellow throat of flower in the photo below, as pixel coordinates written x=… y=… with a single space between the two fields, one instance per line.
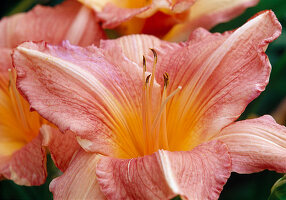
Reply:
x=18 y=125
x=147 y=133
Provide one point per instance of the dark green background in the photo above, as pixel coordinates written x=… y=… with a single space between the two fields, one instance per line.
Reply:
x=239 y=187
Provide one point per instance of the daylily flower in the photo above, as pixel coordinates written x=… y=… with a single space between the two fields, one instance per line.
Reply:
x=172 y=20
x=22 y=157
x=160 y=128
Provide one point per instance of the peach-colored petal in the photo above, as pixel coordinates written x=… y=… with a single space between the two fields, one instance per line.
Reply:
x=69 y=20
x=220 y=75
x=79 y=180
x=27 y=166
x=62 y=147
x=135 y=46
x=206 y=14
x=197 y=174
x=81 y=89
x=112 y=16
x=182 y=5
x=256 y=144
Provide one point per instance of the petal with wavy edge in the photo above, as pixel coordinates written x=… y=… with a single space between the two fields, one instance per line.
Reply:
x=68 y=20
x=112 y=16
x=256 y=145
x=220 y=75
x=62 y=147
x=206 y=14
x=79 y=180
x=85 y=90
x=197 y=174
x=27 y=166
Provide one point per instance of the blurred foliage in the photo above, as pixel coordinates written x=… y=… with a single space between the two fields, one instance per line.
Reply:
x=239 y=187
x=278 y=191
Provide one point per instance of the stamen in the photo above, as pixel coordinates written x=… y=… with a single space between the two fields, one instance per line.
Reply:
x=153 y=69
x=163 y=104
x=166 y=80
x=144 y=64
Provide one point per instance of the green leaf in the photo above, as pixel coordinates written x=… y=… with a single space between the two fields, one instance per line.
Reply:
x=278 y=191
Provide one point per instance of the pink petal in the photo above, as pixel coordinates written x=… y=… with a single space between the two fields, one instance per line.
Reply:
x=62 y=147
x=79 y=89
x=135 y=46
x=207 y=14
x=197 y=174
x=256 y=144
x=220 y=75
x=182 y=5
x=68 y=20
x=79 y=180
x=112 y=16
x=26 y=166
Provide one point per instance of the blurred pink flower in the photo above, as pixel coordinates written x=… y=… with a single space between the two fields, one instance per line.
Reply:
x=160 y=129
x=171 y=20
x=22 y=157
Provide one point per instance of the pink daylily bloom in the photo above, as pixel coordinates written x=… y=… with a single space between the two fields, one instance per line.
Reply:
x=171 y=20
x=22 y=157
x=162 y=128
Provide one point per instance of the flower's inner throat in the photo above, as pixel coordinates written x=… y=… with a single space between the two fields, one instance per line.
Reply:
x=21 y=122
x=154 y=115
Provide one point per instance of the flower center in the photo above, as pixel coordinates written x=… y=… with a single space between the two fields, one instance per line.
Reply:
x=154 y=123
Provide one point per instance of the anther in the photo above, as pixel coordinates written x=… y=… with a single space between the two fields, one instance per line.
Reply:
x=166 y=80
x=144 y=64
x=147 y=79
x=155 y=55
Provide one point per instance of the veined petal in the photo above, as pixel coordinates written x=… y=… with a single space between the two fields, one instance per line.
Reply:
x=135 y=46
x=68 y=20
x=27 y=166
x=206 y=14
x=197 y=174
x=85 y=90
x=79 y=180
x=62 y=147
x=256 y=145
x=220 y=75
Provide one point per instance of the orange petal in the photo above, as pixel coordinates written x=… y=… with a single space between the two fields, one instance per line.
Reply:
x=197 y=174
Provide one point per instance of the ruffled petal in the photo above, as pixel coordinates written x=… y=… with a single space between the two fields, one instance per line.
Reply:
x=27 y=166
x=62 y=147
x=219 y=74
x=197 y=174
x=79 y=180
x=206 y=14
x=68 y=20
x=256 y=145
x=112 y=16
x=88 y=91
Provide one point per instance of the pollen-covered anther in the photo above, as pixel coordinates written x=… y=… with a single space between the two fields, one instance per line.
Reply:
x=147 y=79
x=166 y=79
